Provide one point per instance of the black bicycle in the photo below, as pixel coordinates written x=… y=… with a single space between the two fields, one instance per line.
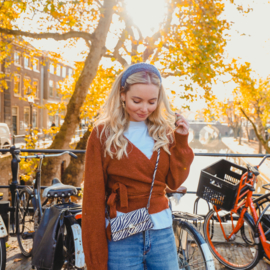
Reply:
x=50 y=232
x=7 y=209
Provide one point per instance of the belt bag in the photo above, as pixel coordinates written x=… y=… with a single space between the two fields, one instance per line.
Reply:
x=133 y=222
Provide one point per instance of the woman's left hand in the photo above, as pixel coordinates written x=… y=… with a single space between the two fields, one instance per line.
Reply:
x=182 y=125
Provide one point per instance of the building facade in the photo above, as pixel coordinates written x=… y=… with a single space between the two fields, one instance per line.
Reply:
x=35 y=76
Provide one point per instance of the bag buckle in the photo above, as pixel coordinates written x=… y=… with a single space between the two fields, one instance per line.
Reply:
x=130 y=227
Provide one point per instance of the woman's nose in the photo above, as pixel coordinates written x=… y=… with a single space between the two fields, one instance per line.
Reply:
x=144 y=108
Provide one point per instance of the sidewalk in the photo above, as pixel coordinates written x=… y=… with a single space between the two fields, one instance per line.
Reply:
x=249 y=148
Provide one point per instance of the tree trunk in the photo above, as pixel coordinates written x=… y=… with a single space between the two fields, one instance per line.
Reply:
x=74 y=172
x=234 y=132
x=63 y=137
x=260 y=148
x=240 y=133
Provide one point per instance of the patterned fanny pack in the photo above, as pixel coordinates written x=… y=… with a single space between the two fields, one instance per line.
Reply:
x=133 y=222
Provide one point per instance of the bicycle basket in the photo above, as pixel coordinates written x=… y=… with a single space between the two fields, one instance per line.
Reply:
x=218 y=183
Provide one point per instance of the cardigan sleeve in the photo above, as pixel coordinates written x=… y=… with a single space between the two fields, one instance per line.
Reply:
x=93 y=210
x=180 y=160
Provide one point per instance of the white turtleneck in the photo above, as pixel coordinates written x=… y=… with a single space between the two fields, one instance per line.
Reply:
x=137 y=134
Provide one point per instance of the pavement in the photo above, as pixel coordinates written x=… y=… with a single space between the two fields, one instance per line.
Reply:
x=15 y=260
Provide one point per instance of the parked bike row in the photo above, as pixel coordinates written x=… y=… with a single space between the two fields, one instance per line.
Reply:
x=48 y=224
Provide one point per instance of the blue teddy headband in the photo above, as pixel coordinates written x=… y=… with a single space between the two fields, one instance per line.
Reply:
x=137 y=68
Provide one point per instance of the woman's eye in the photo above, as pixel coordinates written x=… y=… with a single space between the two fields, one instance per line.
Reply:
x=136 y=101
x=152 y=103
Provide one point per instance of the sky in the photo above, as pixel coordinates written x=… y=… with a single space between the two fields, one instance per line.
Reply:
x=249 y=41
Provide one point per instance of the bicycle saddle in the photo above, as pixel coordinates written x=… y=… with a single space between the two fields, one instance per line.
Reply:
x=57 y=189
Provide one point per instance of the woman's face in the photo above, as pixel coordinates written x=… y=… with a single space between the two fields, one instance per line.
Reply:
x=141 y=101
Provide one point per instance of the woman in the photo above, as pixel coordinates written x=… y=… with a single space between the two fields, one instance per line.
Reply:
x=120 y=160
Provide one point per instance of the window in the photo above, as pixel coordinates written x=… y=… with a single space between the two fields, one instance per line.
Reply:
x=26 y=117
x=51 y=88
x=36 y=88
x=70 y=72
x=64 y=72
x=15 y=120
x=58 y=70
x=17 y=58
x=51 y=69
x=17 y=85
x=51 y=120
x=34 y=118
x=57 y=90
x=36 y=64
x=57 y=120
x=27 y=86
x=27 y=61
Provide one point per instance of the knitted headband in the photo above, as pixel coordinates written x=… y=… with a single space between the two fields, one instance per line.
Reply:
x=137 y=68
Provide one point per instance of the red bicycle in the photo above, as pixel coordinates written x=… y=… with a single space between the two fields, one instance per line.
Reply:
x=234 y=229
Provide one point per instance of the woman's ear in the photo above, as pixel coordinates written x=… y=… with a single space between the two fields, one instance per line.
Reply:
x=123 y=96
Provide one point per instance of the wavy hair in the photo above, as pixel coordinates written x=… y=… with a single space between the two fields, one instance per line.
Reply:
x=115 y=119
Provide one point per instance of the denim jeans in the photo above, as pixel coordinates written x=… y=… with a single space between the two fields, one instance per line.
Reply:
x=151 y=250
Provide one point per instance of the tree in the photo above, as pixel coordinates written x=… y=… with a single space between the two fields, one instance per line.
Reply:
x=252 y=97
x=189 y=44
x=94 y=100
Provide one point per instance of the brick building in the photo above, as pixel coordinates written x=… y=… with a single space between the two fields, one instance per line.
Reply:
x=30 y=75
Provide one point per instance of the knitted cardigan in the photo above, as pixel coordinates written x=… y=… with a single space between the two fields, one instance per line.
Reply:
x=126 y=185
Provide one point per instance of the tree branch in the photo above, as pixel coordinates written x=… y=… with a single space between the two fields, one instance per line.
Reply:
x=253 y=125
x=168 y=74
x=55 y=36
x=116 y=53
x=151 y=41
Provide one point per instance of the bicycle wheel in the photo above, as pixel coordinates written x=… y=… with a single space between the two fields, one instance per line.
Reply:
x=3 y=254
x=192 y=250
x=240 y=252
x=25 y=223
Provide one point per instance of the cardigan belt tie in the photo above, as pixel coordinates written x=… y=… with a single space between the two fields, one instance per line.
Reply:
x=118 y=191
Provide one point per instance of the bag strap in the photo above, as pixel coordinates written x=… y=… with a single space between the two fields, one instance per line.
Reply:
x=158 y=154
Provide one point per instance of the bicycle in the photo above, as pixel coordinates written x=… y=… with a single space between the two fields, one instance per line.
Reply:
x=7 y=211
x=233 y=229
x=192 y=250
x=54 y=225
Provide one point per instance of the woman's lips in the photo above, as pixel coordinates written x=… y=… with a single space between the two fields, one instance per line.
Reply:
x=142 y=115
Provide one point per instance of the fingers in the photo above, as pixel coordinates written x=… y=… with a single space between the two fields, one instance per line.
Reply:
x=181 y=124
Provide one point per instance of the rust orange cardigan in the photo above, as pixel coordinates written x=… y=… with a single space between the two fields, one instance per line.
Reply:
x=127 y=183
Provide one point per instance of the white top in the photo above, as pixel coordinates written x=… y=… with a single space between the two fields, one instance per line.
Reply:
x=137 y=134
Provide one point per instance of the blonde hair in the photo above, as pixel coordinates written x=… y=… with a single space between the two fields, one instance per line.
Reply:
x=115 y=119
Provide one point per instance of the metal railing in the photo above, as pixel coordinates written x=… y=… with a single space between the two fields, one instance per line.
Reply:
x=196 y=154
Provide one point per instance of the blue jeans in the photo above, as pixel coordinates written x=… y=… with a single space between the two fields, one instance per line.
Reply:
x=151 y=250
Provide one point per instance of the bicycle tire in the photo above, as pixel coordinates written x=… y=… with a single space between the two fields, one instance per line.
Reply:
x=25 y=223
x=3 y=254
x=192 y=250
x=240 y=252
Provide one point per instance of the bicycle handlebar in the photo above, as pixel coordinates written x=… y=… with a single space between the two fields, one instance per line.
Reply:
x=265 y=157
x=51 y=155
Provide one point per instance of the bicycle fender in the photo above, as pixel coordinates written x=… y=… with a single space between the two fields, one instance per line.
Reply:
x=3 y=230
x=77 y=238
x=79 y=254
